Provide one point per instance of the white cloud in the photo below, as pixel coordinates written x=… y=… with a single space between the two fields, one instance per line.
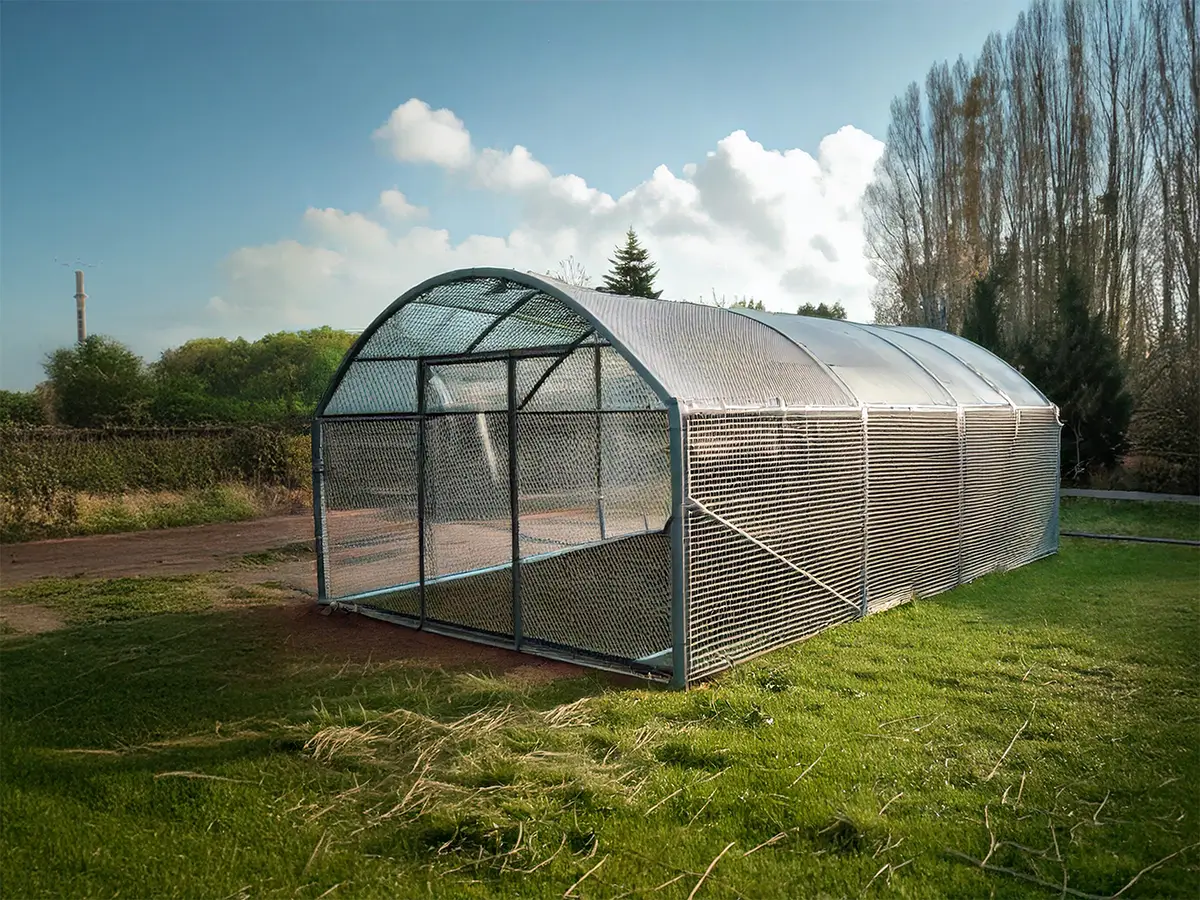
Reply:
x=396 y=205
x=782 y=226
x=414 y=132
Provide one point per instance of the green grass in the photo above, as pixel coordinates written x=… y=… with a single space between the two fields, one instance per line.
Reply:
x=1170 y=520
x=1049 y=714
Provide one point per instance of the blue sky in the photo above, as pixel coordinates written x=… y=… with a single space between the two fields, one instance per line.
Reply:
x=175 y=145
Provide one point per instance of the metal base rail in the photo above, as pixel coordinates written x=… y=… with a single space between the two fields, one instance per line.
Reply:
x=1129 y=537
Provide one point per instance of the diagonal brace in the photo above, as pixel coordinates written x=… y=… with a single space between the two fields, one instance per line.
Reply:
x=701 y=508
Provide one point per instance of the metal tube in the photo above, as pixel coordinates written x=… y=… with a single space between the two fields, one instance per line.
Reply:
x=679 y=573
x=865 y=510
x=599 y=450
x=514 y=505
x=422 y=383
x=319 y=533
x=962 y=490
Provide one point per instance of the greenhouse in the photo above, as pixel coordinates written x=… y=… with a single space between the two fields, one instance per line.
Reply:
x=664 y=488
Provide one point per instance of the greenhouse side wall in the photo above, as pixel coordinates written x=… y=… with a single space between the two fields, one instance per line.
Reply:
x=799 y=521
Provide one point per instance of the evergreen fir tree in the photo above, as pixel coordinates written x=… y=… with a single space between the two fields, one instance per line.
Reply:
x=1079 y=368
x=632 y=272
x=982 y=321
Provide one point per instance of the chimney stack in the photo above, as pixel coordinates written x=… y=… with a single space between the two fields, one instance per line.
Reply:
x=80 y=297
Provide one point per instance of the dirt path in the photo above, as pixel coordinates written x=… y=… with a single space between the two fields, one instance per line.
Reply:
x=166 y=551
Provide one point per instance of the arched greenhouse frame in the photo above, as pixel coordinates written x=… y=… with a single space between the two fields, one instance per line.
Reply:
x=659 y=487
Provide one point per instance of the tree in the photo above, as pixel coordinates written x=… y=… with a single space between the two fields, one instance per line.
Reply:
x=280 y=376
x=99 y=382
x=571 y=271
x=822 y=311
x=1079 y=368
x=747 y=303
x=632 y=272
x=982 y=321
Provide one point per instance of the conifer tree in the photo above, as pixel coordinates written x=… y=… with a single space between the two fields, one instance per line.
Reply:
x=981 y=323
x=632 y=272
x=1079 y=368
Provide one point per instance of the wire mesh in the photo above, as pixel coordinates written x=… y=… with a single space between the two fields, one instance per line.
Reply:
x=1035 y=476
x=990 y=490
x=376 y=386
x=912 y=506
x=370 y=498
x=611 y=598
x=786 y=561
x=468 y=520
x=467 y=387
x=711 y=358
x=635 y=472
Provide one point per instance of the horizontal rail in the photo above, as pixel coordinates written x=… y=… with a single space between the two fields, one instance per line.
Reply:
x=1142 y=496
x=1130 y=537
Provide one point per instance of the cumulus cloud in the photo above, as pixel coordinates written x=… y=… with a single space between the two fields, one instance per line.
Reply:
x=782 y=226
x=415 y=132
x=396 y=206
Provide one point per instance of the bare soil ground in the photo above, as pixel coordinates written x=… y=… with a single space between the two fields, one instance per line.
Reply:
x=167 y=551
x=299 y=626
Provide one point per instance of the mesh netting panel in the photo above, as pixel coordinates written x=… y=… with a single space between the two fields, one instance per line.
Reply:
x=991 y=491
x=964 y=386
x=710 y=357
x=621 y=387
x=540 y=322
x=376 y=387
x=557 y=475
x=635 y=471
x=463 y=387
x=1035 y=469
x=989 y=366
x=480 y=314
x=570 y=386
x=612 y=598
x=913 y=505
x=468 y=526
x=422 y=329
x=790 y=491
x=370 y=497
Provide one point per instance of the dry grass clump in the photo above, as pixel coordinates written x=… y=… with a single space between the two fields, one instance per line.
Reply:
x=492 y=784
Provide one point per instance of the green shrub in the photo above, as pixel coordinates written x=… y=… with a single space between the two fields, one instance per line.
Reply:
x=43 y=470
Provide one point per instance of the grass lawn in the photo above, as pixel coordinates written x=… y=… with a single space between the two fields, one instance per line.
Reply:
x=168 y=743
x=1175 y=520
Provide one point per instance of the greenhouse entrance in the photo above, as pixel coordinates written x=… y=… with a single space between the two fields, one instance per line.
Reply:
x=542 y=479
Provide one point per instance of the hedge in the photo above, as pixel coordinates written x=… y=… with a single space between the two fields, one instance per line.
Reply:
x=113 y=461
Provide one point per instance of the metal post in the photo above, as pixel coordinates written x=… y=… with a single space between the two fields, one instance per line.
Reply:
x=422 y=384
x=319 y=534
x=679 y=573
x=866 y=448
x=962 y=489
x=514 y=498
x=599 y=450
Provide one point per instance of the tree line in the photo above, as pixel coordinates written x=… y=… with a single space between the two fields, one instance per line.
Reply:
x=276 y=380
x=1043 y=199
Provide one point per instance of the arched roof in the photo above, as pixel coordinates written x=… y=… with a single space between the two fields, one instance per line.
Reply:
x=702 y=357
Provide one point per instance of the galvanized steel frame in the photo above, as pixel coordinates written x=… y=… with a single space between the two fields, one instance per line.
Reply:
x=678 y=410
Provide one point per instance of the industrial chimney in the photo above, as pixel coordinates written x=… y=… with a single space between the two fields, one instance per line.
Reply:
x=80 y=297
